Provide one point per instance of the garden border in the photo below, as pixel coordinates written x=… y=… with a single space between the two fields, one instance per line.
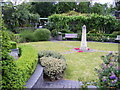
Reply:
x=36 y=79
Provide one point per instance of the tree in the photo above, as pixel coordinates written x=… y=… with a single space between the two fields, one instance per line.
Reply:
x=117 y=3
x=19 y=16
x=63 y=7
x=97 y=8
x=82 y=7
x=44 y=9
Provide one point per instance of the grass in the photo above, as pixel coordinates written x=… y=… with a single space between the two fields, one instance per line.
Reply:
x=80 y=65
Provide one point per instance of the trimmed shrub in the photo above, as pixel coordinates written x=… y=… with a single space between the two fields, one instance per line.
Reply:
x=11 y=78
x=13 y=45
x=15 y=74
x=42 y=34
x=27 y=62
x=75 y=23
x=53 y=67
x=5 y=44
x=50 y=54
x=109 y=71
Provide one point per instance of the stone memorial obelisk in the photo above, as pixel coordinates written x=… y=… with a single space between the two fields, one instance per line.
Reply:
x=83 y=46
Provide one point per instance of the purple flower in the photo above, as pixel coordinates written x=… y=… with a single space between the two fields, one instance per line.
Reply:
x=113 y=82
x=104 y=79
x=113 y=76
x=118 y=77
x=104 y=66
x=116 y=68
x=110 y=64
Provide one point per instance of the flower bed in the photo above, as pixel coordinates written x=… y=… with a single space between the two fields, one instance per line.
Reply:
x=109 y=73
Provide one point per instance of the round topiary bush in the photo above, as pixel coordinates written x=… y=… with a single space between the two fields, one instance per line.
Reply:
x=42 y=34
x=53 y=67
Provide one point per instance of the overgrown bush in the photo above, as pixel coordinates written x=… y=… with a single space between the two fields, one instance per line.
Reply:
x=109 y=71
x=42 y=34
x=27 y=36
x=53 y=67
x=13 y=45
x=53 y=54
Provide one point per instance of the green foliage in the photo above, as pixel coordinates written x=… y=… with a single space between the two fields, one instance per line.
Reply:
x=27 y=36
x=65 y=31
x=11 y=76
x=68 y=6
x=101 y=37
x=12 y=36
x=16 y=73
x=42 y=34
x=10 y=72
x=37 y=35
x=44 y=9
x=116 y=33
x=53 y=67
x=5 y=44
x=13 y=45
x=98 y=8
x=109 y=71
x=117 y=25
x=21 y=29
x=53 y=54
x=74 y=23
x=54 y=32
x=71 y=13
x=26 y=63
x=19 y=16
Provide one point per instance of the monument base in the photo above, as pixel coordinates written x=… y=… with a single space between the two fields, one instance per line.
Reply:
x=84 y=48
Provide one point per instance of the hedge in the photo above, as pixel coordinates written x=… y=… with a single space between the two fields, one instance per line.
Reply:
x=16 y=73
x=96 y=37
x=75 y=23
x=27 y=62
x=13 y=45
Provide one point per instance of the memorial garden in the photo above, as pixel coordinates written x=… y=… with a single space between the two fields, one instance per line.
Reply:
x=69 y=49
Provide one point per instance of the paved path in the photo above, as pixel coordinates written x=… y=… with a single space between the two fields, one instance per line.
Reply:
x=64 y=84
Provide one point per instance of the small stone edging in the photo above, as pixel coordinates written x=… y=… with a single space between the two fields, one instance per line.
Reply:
x=36 y=79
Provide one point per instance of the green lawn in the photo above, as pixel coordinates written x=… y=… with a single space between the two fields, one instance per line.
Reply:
x=79 y=64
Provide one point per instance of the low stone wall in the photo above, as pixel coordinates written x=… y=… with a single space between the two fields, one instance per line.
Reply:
x=36 y=80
